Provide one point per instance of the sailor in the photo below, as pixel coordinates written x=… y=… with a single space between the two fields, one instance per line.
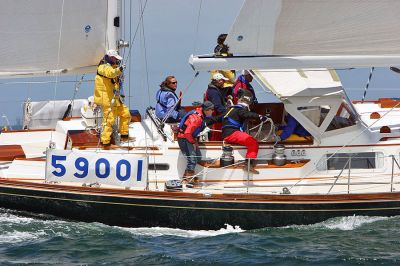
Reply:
x=222 y=49
x=243 y=83
x=107 y=96
x=168 y=105
x=292 y=127
x=190 y=127
x=233 y=128
x=216 y=94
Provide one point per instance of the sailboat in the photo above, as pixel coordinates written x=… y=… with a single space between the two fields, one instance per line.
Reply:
x=349 y=166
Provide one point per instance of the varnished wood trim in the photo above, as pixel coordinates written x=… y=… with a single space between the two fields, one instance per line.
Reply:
x=251 y=198
x=31 y=159
x=270 y=165
x=11 y=152
x=27 y=130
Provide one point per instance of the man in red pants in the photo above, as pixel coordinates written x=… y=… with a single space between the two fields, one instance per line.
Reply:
x=233 y=128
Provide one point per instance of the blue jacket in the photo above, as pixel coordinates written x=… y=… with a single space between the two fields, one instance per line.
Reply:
x=166 y=99
x=217 y=97
x=293 y=127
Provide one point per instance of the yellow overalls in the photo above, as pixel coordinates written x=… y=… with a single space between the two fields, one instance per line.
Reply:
x=105 y=84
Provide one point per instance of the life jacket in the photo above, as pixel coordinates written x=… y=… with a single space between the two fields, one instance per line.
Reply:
x=231 y=123
x=182 y=126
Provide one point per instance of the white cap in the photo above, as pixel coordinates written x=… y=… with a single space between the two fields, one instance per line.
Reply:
x=219 y=76
x=114 y=53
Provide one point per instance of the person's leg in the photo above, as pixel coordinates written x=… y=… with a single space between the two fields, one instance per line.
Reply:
x=125 y=118
x=244 y=139
x=182 y=142
x=108 y=121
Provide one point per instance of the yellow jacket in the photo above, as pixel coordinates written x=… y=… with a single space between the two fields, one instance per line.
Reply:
x=229 y=74
x=105 y=83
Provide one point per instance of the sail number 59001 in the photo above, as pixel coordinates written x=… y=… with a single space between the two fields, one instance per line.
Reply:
x=102 y=168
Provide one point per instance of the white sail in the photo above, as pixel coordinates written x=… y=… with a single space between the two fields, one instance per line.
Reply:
x=317 y=27
x=311 y=34
x=49 y=36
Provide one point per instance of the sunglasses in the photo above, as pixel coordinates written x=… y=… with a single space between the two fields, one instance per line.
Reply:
x=176 y=82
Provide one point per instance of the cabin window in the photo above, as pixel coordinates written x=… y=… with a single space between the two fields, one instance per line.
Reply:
x=315 y=113
x=159 y=166
x=362 y=160
x=344 y=118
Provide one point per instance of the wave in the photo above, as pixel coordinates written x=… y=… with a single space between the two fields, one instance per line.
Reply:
x=164 y=231
x=347 y=223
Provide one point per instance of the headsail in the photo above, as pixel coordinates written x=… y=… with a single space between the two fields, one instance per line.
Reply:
x=304 y=33
x=46 y=36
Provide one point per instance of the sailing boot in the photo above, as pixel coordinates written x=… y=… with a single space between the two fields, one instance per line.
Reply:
x=250 y=168
x=106 y=146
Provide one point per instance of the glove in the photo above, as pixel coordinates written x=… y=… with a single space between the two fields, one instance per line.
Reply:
x=205 y=131
x=263 y=118
x=122 y=67
x=277 y=138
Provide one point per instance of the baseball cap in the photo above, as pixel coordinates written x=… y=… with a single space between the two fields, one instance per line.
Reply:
x=207 y=105
x=114 y=53
x=219 y=76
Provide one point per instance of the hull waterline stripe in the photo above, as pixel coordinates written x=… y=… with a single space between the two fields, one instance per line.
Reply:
x=200 y=208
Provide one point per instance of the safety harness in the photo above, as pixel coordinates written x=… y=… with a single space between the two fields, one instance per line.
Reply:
x=182 y=126
x=231 y=122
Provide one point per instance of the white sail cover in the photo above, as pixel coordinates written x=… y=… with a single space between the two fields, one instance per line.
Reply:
x=317 y=27
x=47 y=36
x=296 y=82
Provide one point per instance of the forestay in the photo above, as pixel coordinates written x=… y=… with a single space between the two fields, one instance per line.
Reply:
x=52 y=36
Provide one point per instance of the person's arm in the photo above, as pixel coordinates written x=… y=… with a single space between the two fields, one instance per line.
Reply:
x=210 y=120
x=244 y=115
x=171 y=101
x=289 y=128
x=108 y=71
x=216 y=99
x=192 y=123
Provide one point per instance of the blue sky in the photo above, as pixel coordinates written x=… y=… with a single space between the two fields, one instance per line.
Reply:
x=172 y=33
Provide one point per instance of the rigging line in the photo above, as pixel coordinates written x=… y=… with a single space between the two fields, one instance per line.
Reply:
x=137 y=28
x=57 y=74
x=43 y=82
x=197 y=28
x=129 y=61
x=345 y=145
x=368 y=82
x=180 y=98
x=143 y=35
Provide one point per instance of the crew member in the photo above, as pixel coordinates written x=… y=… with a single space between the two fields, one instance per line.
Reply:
x=243 y=83
x=291 y=127
x=233 y=129
x=107 y=96
x=189 y=128
x=216 y=94
x=168 y=105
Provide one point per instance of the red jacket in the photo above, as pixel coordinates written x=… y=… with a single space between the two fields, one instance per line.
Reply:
x=192 y=123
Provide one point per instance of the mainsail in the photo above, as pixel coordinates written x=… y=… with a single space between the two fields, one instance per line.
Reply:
x=56 y=36
x=306 y=33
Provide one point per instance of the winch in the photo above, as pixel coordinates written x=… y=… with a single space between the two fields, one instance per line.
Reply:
x=279 y=157
x=227 y=156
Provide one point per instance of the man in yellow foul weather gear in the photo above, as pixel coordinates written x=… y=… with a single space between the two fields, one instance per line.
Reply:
x=107 y=96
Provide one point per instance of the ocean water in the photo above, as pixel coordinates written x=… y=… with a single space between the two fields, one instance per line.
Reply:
x=27 y=239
